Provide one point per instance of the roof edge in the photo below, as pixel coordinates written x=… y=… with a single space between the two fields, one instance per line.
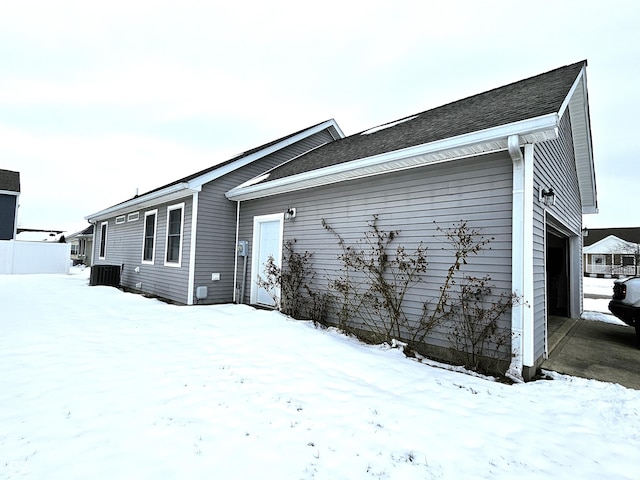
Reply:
x=546 y=125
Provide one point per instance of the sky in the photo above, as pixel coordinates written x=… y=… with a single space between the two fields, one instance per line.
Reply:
x=100 y=100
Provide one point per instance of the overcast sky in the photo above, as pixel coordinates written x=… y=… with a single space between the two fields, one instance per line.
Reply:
x=98 y=99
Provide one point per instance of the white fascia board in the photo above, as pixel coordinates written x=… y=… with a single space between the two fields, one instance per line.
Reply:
x=166 y=194
x=547 y=124
x=219 y=172
x=578 y=81
x=9 y=192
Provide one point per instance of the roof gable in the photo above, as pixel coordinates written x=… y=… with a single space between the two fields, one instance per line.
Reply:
x=609 y=245
x=628 y=234
x=478 y=124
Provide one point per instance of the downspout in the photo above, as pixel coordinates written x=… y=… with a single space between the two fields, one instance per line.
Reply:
x=517 y=258
x=192 y=249
x=235 y=264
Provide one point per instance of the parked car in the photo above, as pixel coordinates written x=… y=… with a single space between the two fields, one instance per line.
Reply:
x=626 y=302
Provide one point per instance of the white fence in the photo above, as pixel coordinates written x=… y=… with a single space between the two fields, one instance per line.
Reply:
x=34 y=257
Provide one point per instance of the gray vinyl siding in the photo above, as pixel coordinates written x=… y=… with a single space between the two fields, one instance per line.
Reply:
x=476 y=190
x=554 y=165
x=215 y=237
x=124 y=247
x=215 y=242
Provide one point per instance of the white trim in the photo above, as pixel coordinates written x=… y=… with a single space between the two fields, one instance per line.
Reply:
x=219 y=172
x=133 y=216
x=255 y=267
x=172 y=193
x=235 y=264
x=470 y=144
x=9 y=192
x=192 y=248
x=155 y=236
x=103 y=239
x=167 y=263
x=528 y=327
x=517 y=256
x=120 y=219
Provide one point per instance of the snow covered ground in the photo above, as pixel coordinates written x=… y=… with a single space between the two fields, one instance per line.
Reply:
x=100 y=384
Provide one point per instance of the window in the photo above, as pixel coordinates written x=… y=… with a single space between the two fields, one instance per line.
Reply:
x=119 y=219
x=74 y=249
x=133 y=217
x=174 y=234
x=83 y=247
x=103 y=240
x=149 y=243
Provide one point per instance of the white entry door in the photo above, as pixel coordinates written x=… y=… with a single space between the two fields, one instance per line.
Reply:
x=267 y=241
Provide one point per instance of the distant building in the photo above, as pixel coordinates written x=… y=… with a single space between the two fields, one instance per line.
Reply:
x=611 y=252
x=9 y=193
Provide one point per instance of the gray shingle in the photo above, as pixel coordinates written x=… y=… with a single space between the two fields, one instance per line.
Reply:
x=529 y=98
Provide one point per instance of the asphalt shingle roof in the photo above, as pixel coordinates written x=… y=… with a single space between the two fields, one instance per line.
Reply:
x=9 y=181
x=630 y=234
x=530 y=98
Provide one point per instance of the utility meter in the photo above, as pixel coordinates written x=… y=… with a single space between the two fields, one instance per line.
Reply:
x=243 y=248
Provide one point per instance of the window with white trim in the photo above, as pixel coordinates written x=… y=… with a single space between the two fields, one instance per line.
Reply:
x=103 y=240
x=175 y=218
x=132 y=217
x=149 y=241
x=119 y=219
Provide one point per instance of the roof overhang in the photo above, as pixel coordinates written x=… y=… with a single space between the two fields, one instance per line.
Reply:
x=577 y=105
x=490 y=140
x=169 y=194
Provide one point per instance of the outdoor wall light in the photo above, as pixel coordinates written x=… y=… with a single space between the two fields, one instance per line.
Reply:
x=290 y=213
x=548 y=197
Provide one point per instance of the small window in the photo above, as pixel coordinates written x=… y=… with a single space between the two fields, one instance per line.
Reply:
x=174 y=234
x=133 y=217
x=103 y=240
x=74 y=249
x=149 y=242
x=119 y=219
x=83 y=247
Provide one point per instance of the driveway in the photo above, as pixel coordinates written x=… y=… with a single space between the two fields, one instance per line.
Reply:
x=592 y=349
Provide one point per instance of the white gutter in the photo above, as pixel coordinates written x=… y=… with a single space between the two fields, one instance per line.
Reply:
x=138 y=201
x=545 y=125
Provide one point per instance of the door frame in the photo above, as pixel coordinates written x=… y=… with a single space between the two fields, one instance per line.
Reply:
x=255 y=254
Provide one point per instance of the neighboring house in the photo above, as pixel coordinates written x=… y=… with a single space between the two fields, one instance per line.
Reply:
x=611 y=252
x=178 y=242
x=81 y=246
x=487 y=160
x=9 y=195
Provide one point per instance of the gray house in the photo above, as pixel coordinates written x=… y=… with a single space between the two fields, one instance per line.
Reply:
x=178 y=241
x=9 y=194
x=81 y=246
x=515 y=163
